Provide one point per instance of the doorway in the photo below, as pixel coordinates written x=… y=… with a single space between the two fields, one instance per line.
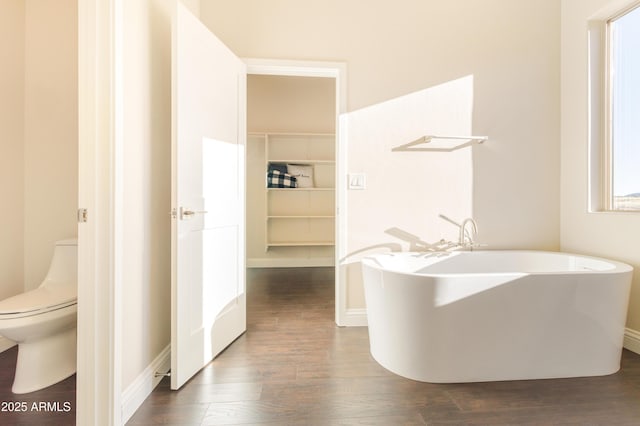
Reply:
x=291 y=139
x=302 y=228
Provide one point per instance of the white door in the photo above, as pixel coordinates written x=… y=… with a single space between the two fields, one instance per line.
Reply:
x=208 y=306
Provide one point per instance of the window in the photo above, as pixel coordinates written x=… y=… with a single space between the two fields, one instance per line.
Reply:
x=622 y=124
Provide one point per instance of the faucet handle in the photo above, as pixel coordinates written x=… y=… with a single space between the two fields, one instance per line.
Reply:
x=466 y=246
x=477 y=245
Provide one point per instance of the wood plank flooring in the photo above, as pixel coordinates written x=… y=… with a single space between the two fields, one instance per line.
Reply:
x=293 y=366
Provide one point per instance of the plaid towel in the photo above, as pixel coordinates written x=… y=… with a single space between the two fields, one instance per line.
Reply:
x=277 y=179
x=278 y=166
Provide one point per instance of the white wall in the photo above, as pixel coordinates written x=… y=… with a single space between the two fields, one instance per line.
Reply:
x=510 y=48
x=12 y=32
x=611 y=235
x=146 y=275
x=50 y=131
x=407 y=190
x=192 y=5
x=290 y=104
x=38 y=117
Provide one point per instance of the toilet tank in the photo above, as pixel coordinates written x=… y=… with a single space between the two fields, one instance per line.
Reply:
x=63 y=269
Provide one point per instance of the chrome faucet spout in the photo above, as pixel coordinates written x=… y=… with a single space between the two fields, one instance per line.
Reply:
x=463 y=236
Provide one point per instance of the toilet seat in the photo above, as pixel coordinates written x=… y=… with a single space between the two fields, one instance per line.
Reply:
x=37 y=301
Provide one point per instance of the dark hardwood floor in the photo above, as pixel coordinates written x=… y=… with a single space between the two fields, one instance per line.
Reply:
x=293 y=366
x=55 y=405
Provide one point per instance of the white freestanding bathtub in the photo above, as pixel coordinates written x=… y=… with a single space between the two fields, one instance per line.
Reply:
x=495 y=315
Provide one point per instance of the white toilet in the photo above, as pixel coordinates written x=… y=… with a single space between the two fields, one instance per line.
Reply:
x=43 y=323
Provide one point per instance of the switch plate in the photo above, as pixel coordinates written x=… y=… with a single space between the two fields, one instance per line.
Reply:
x=357 y=181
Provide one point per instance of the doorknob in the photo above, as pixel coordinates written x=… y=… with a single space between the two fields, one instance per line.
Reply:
x=186 y=213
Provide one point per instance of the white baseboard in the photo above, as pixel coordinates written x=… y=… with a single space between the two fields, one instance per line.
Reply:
x=354 y=318
x=290 y=262
x=6 y=343
x=632 y=340
x=135 y=394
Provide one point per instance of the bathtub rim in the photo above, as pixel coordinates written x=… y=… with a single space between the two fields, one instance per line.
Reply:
x=619 y=267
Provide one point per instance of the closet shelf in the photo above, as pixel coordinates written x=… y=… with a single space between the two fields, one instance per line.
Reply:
x=300 y=243
x=302 y=217
x=292 y=135
x=300 y=189
x=303 y=161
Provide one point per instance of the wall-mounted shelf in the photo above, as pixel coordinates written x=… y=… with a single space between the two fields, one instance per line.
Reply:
x=444 y=143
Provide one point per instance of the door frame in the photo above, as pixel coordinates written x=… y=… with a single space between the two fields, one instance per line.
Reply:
x=337 y=71
x=100 y=239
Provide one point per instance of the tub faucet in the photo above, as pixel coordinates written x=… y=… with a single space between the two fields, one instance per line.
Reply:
x=463 y=237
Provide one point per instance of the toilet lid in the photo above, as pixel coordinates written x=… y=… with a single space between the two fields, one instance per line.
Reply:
x=42 y=298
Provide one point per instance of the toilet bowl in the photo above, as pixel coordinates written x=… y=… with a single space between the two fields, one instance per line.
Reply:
x=43 y=324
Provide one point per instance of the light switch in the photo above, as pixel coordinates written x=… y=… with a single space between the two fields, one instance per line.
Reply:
x=357 y=181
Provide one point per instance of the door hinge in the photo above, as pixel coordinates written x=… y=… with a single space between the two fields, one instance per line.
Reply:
x=83 y=215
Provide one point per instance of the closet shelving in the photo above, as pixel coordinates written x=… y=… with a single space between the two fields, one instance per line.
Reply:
x=301 y=217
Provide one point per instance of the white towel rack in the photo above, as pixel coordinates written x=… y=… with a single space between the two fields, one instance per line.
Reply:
x=447 y=143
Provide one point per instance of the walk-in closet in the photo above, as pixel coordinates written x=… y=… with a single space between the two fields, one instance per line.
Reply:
x=291 y=169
